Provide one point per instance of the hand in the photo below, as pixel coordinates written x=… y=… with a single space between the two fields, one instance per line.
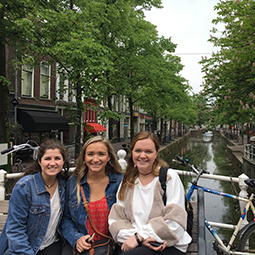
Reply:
x=147 y=241
x=130 y=243
x=82 y=245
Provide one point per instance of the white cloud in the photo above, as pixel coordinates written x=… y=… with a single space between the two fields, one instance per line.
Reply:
x=188 y=23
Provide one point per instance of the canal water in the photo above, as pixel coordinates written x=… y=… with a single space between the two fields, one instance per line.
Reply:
x=212 y=157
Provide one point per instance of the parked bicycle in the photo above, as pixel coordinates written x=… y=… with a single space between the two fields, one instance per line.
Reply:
x=29 y=145
x=242 y=241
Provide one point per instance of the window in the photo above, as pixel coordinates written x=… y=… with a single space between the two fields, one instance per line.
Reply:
x=27 y=83
x=45 y=80
x=61 y=87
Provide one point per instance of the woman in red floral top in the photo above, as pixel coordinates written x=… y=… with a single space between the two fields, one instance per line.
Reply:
x=99 y=173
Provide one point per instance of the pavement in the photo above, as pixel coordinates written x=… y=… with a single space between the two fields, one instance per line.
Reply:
x=237 y=147
x=121 y=145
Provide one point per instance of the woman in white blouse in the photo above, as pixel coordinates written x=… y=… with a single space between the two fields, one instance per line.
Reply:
x=139 y=221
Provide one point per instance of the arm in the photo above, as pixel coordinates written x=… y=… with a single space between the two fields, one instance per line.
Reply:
x=68 y=227
x=16 y=224
x=118 y=221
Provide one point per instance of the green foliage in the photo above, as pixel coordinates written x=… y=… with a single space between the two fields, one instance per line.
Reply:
x=4 y=81
x=230 y=72
x=16 y=132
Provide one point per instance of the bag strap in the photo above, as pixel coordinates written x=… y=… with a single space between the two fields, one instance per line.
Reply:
x=86 y=205
x=162 y=180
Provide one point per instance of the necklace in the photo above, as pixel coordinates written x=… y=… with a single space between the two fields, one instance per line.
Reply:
x=146 y=173
x=49 y=186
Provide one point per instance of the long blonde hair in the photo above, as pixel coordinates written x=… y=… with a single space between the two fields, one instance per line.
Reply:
x=131 y=172
x=81 y=168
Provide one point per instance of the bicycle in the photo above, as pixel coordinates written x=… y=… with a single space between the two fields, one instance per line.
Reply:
x=242 y=241
x=29 y=145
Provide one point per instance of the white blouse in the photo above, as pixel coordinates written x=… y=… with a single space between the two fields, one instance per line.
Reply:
x=51 y=234
x=142 y=205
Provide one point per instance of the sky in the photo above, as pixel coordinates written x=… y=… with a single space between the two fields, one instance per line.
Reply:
x=188 y=23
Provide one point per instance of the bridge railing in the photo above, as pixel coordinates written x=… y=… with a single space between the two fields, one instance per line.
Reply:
x=242 y=186
x=4 y=176
x=249 y=151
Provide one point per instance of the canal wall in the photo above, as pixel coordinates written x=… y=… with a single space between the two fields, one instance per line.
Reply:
x=167 y=148
x=235 y=151
x=249 y=168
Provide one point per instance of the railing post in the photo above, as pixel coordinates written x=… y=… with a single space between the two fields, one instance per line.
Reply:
x=243 y=189
x=243 y=193
x=121 y=155
x=201 y=223
x=2 y=184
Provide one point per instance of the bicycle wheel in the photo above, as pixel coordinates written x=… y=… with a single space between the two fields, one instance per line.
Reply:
x=247 y=241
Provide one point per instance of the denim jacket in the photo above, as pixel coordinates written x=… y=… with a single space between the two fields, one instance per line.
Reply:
x=73 y=225
x=28 y=216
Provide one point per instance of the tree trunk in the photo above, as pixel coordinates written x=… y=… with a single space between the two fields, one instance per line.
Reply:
x=161 y=130
x=154 y=124
x=4 y=97
x=170 y=129
x=165 y=126
x=130 y=101
x=78 y=121
x=110 y=130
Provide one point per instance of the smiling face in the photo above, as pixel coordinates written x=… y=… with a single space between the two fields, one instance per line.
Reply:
x=144 y=154
x=51 y=163
x=96 y=157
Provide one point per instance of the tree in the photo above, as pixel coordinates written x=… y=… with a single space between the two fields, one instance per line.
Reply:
x=229 y=73
x=123 y=40
x=72 y=33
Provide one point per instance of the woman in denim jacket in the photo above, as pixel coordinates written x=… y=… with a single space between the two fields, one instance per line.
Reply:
x=99 y=173
x=36 y=205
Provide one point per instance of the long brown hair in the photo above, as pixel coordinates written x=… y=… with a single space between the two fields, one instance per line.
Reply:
x=81 y=168
x=131 y=172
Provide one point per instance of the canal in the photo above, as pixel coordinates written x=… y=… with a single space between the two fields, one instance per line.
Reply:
x=212 y=157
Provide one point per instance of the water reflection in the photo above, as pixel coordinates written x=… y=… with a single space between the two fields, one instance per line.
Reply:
x=212 y=157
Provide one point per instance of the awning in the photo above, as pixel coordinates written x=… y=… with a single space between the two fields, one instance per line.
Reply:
x=42 y=121
x=95 y=128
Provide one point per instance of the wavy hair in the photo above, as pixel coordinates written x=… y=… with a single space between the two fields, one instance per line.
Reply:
x=131 y=172
x=81 y=168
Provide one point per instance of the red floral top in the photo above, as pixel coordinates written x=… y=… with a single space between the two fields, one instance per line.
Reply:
x=99 y=213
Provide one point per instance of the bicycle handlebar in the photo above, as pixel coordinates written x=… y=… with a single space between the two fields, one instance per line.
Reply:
x=23 y=146
x=185 y=162
x=7 y=150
